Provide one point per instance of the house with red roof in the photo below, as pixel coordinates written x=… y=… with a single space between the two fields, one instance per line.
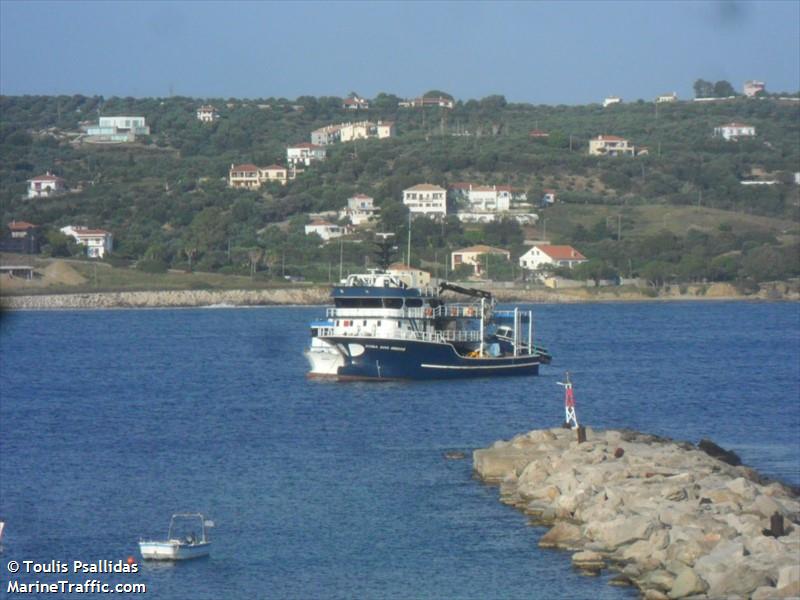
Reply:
x=611 y=145
x=541 y=255
x=355 y=102
x=45 y=186
x=249 y=176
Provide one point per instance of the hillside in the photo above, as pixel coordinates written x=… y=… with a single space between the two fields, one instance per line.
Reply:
x=678 y=213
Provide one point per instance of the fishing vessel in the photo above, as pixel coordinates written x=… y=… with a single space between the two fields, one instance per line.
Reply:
x=381 y=328
x=186 y=539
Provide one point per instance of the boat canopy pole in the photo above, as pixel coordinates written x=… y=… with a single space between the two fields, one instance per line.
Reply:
x=530 y=332
x=482 y=313
x=516 y=329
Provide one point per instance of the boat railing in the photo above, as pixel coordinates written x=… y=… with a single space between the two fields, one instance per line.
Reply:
x=467 y=311
x=456 y=335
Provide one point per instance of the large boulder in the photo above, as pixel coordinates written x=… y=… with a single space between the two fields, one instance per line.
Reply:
x=562 y=535
x=620 y=531
x=494 y=464
x=687 y=583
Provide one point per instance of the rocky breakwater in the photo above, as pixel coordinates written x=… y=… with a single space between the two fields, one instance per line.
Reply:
x=169 y=299
x=670 y=518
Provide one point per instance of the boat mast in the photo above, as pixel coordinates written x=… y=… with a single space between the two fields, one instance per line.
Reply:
x=516 y=327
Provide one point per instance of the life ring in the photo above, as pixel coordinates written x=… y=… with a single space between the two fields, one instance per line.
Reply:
x=428 y=312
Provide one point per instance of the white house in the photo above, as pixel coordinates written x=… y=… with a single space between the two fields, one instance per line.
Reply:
x=673 y=97
x=610 y=145
x=472 y=255
x=426 y=199
x=357 y=131
x=117 y=129
x=207 y=114
x=548 y=197
x=45 y=185
x=324 y=229
x=439 y=101
x=734 y=131
x=355 y=103
x=385 y=129
x=611 y=100
x=98 y=242
x=545 y=254
x=360 y=209
x=330 y=134
x=753 y=87
x=305 y=154
x=493 y=198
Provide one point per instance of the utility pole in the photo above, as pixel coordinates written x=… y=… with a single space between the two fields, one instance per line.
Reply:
x=341 y=255
x=619 y=226
x=408 y=254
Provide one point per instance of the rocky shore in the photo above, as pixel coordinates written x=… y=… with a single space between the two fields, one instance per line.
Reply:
x=669 y=517
x=316 y=295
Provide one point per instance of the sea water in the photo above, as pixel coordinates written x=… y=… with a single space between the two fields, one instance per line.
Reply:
x=110 y=421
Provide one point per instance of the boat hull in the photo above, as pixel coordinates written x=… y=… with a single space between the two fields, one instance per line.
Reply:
x=173 y=550
x=370 y=358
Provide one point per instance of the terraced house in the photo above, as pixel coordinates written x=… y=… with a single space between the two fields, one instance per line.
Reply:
x=249 y=176
x=426 y=199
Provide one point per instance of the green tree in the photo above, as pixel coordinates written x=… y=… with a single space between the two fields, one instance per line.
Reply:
x=723 y=89
x=703 y=89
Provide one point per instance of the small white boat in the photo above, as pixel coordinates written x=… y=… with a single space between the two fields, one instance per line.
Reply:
x=186 y=539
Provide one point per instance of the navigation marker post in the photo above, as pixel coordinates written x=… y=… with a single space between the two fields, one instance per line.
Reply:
x=570 y=418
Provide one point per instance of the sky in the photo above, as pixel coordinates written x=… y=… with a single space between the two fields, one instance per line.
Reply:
x=566 y=52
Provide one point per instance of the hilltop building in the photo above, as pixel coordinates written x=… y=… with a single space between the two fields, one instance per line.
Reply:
x=116 y=130
x=45 y=186
x=354 y=102
x=207 y=114
x=439 y=101
x=753 y=87
x=673 y=97
x=347 y=132
x=611 y=100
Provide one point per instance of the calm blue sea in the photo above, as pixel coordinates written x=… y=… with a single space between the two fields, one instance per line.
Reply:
x=110 y=421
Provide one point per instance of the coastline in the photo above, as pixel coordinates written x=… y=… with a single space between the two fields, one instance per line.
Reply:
x=319 y=295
